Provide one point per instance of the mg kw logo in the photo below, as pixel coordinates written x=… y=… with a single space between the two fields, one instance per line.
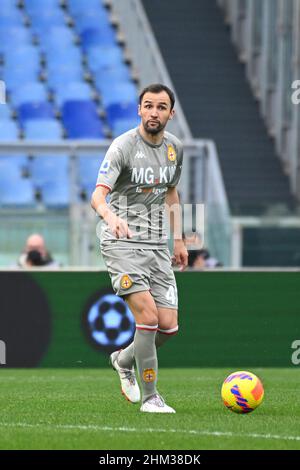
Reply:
x=2 y=353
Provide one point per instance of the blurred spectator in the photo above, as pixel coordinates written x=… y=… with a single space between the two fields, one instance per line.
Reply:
x=201 y=259
x=35 y=254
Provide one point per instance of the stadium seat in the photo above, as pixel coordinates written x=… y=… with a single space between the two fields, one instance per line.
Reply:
x=119 y=126
x=91 y=19
x=10 y=17
x=56 y=194
x=88 y=169
x=117 y=92
x=43 y=21
x=16 y=191
x=113 y=78
x=102 y=57
x=31 y=92
x=18 y=163
x=79 y=7
x=95 y=36
x=71 y=56
x=38 y=6
x=43 y=110
x=117 y=111
x=81 y=120
x=61 y=76
x=74 y=91
x=20 y=74
x=49 y=169
x=43 y=129
x=5 y=112
x=13 y=37
x=28 y=55
x=8 y=130
x=57 y=37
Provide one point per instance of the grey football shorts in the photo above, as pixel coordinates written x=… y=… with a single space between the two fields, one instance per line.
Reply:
x=134 y=270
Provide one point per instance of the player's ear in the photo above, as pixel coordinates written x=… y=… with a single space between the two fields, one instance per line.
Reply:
x=139 y=110
x=171 y=114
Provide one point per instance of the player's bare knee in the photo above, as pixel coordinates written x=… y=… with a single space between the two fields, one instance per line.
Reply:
x=149 y=317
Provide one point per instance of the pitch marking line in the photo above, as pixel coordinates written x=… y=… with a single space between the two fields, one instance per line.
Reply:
x=92 y=427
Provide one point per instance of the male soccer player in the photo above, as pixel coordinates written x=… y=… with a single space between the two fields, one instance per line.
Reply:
x=141 y=170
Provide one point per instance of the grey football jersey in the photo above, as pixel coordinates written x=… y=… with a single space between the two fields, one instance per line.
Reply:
x=138 y=175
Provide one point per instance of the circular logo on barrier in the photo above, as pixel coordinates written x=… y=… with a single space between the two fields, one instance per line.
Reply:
x=108 y=322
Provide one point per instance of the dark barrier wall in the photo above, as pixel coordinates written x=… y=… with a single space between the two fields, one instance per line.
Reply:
x=227 y=319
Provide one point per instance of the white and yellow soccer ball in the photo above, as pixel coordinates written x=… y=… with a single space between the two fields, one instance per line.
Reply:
x=242 y=392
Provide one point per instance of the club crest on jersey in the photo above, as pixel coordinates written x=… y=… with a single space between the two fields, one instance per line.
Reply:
x=171 y=153
x=126 y=282
x=149 y=375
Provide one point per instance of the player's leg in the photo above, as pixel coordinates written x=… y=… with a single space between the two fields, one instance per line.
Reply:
x=167 y=325
x=167 y=328
x=145 y=313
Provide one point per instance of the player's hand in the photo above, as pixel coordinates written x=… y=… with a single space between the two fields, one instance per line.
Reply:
x=118 y=226
x=180 y=256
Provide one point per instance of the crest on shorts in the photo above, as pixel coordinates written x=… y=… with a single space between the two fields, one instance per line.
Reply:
x=171 y=153
x=149 y=375
x=126 y=282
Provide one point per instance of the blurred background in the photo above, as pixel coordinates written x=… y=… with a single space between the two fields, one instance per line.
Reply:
x=71 y=72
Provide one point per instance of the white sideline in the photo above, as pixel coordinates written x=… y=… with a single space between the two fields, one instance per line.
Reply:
x=92 y=427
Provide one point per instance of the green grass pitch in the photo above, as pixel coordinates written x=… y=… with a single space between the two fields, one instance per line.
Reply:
x=84 y=409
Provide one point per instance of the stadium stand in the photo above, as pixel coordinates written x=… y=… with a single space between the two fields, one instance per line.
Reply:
x=56 y=59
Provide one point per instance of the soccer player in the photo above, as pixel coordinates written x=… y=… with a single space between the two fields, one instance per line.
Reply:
x=140 y=171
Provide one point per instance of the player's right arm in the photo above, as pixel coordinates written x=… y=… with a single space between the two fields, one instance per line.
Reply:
x=118 y=226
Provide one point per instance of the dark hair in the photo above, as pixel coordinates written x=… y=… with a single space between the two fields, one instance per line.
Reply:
x=157 y=88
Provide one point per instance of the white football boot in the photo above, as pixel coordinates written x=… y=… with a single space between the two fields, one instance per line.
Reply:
x=129 y=385
x=156 y=404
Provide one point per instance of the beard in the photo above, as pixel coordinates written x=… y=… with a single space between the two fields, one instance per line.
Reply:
x=153 y=130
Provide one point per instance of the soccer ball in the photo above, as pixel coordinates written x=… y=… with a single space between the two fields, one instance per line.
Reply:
x=110 y=322
x=242 y=392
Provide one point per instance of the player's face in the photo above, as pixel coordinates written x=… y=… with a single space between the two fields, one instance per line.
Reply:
x=155 y=111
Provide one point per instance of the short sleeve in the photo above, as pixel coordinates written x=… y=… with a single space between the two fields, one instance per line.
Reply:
x=111 y=168
x=177 y=173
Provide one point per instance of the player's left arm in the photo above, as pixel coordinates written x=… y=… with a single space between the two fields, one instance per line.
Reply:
x=180 y=254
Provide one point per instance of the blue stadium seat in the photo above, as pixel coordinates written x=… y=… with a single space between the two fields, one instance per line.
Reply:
x=10 y=18
x=56 y=194
x=5 y=112
x=95 y=36
x=61 y=76
x=13 y=37
x=67 y=57
x=43 y=129
x=79 y=7
x=39 y=6
x=42 y=21
x=91 y=19
x=8 y=130
x=81 y=120
x=49 y=169
x=74 y=91
x=119 y=126
x=101 y=57
x=117 y=92
x=43 y=110
x=117 y=111
x=18 y=163
x=57 y=37
x=88 y=169
x=8 y=5
x=34 y=92
x=14 y=76
x=16 y=191
x=27 y=56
